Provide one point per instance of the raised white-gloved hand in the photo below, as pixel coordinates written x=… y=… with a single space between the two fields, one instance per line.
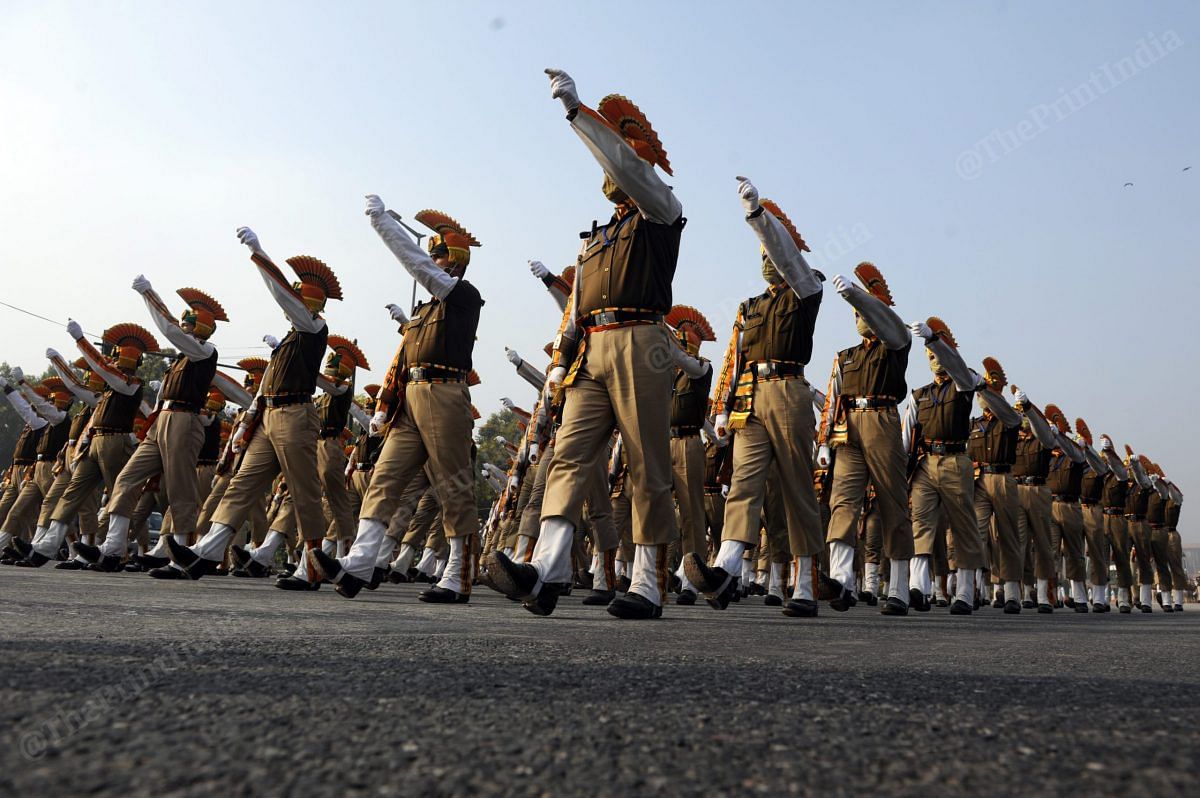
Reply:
x=748 y=194
x=239 y=438
x=375 y=427
x=556 y=377
x=823 y=458
x=397 y=313
x=248 y=238
x=513 y=482
x=508 y=403
x=156 y=385
x=721 y=425
x=1020 y=399
x=141 y=284
x=74 y=330
x=270 y=340
x=841 y=285
x=18 y=376
x=921 y=330
x=512 y=356
x=562 y=87
x=539 y=269
x=1106 y=444
x=375 y=205
x=533 y=453
x=52 y=353
x=500 y=439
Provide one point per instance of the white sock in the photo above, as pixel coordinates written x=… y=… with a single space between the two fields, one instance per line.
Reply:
x=452 y=573
x=964 y=589
x=212 y=545
x=729 y=556
x=898 y=583
x=329 y=547
x=1079 y=591
x=5 y=539
x=776 y=586
x=441 y=568
x=620 y=568
x=181 y=539
x=85 y=538
x=747 y=572
x=1012 y=592
x=644 y=581
x=509 y=552
x=1043 y=591
x=919 y=574
x=871 y=577
x=38 y=534
x=841 y=566
x=51 y=540
x=265 y=554
x=599 y=576
x=523 y=547
x=302 y=567
x=428 y=562
x=343 y=547
x=1147 y=595
x=1100 y=594
x=118 y=536
x=160 y=548
x=803 y=589
x=360 y=560
x=386 y=547
x=1178 y=597
x=552 y=552
x=404 y=559
x=1123 y=599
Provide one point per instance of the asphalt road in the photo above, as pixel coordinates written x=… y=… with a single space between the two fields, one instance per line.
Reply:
x=121 y=685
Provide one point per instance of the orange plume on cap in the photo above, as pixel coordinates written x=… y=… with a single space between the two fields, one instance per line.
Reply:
x=128 y=334
x=448 y=232
x=622 y=115
x=81 y=363
x=994 y=374
x=473 y=378
x=872 y=280
x=254 y=365
x=568 y=275
x=54 y=385
x=778 y=213
x=314 y=274
x=198 y=300
x=942 y=330
x=348 y=350
x=686 y=314
x=1081 y=427
x=475 y=413
x=1055 y=416
x=371 y=390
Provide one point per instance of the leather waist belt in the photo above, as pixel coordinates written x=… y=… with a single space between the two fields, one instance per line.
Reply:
x=684 y=432
x=1117 y=511
x=997 y=468
x=23 y=462
x=363 y=466
x=1157 y=526
x=1087 y=502
x=1134 y=517
x=435 y=374
x=1062 y=497
x=42 y=458
x=1032 y=481
x=110 y=431
x=600 y=320
x=176 y=406
x=776 y=370
x=207 y=462
x=330 y=433
x=946 y=447
x=286 y=399
x=711 y=491
x=869 y=402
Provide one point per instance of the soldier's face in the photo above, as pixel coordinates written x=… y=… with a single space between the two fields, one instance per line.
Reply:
x=934 y=365
x=861 y=325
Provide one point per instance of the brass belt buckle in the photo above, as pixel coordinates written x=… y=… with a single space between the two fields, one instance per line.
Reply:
x=765 y=369
x=417 y=373
x=605 y=317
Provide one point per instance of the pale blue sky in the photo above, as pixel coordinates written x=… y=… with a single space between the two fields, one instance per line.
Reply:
x=138 y=136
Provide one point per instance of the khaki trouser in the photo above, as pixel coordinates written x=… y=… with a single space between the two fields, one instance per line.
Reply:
x=425 y=528
x=943 y=559
x=331 y=463
x=944 y=487
x=996 y=499
x=1035 y=515
x=714 y=513
x=1116 y=529
x=285 y=441
x=1067 y=518
x=774 y=519
x=57 y=488
x=687 y=467
x=873 y=453
x=106 y=456
x=778 y=434
x=170 y=449
x=1179 y=580
x=510 y=528
x=258 y=509
x=12 y=489
x=625 y=380
x=139 y=528
x=1139 y=532
x=531 y=518
x=435 y=428
x=399 y=523
x=623 y=520
x=1097 y=543
x=1162 y=558
x=22 y=516
x=284 y=520
x=872 y=534
x=204 y=480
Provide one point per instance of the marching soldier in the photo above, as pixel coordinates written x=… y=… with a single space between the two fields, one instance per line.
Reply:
x=1091 y=491
x=425 y=401
x=1116 y=528
x=334 y=407
x=1035 y=446
x=765 y=398
x=280 y=429
x=45 y=408
x=1137 y=501
x=609 y=360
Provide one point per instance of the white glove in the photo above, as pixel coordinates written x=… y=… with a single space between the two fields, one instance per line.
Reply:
x=500 y=439
x=724 y=491
x=397 y=313
x=375 y=427
x=74 y=330
x=721 y=425
x=562 y=87
x=1106 y=444
x=375 y=205
x=841 y=285
x=556 y=376
x=3 y=383
x=533 y=453
x=539 y=269
x=748 y=194
x=512 y=482
x=247 y=237
x=508 y=403
x=270 y=340
x=156 y=385
x=823 y=458
x=239 y=436
x=52 y=353
x=512 y=356
x=921 y=329
x=1020 y=400
x=18 y=376
x=141 y=284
